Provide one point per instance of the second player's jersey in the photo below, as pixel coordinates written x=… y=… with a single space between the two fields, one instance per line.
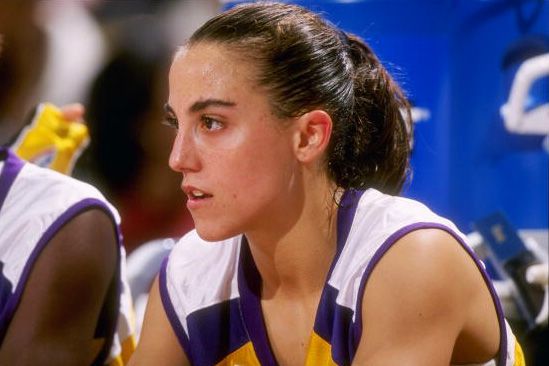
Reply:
x=35 y=203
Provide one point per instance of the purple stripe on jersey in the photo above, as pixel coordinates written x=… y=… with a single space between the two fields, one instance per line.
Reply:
x=333 y=324
x=12 y=167
x=51 y=231
x=103 y=354
x=249 y=287
x=325 y=319
x=215 y=332
x=170 y=311
x=346 y=214
x=389 y=243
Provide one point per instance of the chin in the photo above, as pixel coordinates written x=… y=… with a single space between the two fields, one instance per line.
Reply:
x=213 y=234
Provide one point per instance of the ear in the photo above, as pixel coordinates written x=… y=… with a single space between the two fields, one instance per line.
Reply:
x=312 y=135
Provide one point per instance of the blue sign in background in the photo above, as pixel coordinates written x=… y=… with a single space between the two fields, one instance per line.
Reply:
x=456 y=61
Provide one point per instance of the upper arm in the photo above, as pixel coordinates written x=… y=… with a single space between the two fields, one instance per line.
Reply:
x=415 y=303
x=56 y=319
x=158 y=344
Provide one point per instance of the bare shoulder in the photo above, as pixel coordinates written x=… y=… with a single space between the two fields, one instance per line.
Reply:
x=84 y=252
x=425 y=269
x=88 y=241
x=428 y=255
x=421 y=296
x=158 y=344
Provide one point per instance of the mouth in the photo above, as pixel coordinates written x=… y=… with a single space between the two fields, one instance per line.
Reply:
x=194 y=194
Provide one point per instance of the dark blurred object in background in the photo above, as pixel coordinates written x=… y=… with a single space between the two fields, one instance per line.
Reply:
x=110 y=10
x=21 y=64
x=129 y=149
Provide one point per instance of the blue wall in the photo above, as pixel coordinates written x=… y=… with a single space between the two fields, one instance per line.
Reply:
x=456 y=59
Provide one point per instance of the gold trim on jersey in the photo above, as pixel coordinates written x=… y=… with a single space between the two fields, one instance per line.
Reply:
x=128 y=347
x=319 y=352
x=245 y=355
x=519 y=355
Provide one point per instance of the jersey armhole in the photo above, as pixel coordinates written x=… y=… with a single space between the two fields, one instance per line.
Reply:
x=392 y=239
x=52 y=230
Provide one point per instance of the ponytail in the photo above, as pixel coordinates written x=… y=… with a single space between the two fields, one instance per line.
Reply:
x=371 y=148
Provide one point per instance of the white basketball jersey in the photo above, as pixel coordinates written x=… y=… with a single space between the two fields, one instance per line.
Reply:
x=34 y=204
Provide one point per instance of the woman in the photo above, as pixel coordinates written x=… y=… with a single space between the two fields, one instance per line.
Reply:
x=288 y=132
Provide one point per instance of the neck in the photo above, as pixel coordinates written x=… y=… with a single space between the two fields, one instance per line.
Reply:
x=295 y=263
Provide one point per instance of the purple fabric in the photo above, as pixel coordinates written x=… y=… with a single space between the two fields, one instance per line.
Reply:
x=170 y=311
x=216 y=331
x=12 y=167
x=389 y=243
x=333 y=323
x=345 y=216
x=327 y=322
x=51 y=231
x=249 y=286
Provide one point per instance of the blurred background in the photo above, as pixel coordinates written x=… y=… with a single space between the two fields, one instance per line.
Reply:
x=476 y=72
x=112 y=56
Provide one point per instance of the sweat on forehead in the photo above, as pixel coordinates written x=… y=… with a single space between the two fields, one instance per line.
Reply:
x=215 y=63
x=208 y=75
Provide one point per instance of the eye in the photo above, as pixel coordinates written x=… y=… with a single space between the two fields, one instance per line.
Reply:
x=170 y=121
x=211 y=124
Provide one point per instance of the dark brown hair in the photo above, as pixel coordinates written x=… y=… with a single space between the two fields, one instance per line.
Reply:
x=306 y=63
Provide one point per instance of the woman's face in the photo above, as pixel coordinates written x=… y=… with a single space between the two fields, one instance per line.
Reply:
x=236 y=158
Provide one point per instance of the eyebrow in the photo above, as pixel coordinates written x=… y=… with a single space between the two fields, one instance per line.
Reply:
x=203 y=104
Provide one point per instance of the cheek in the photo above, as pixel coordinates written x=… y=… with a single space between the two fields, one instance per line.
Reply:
x=257 y=172
x=249 y=162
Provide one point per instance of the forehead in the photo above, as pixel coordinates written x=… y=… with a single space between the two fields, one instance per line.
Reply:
x=208 y=70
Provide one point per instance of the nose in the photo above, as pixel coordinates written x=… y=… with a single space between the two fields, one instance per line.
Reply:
x=183 y=155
